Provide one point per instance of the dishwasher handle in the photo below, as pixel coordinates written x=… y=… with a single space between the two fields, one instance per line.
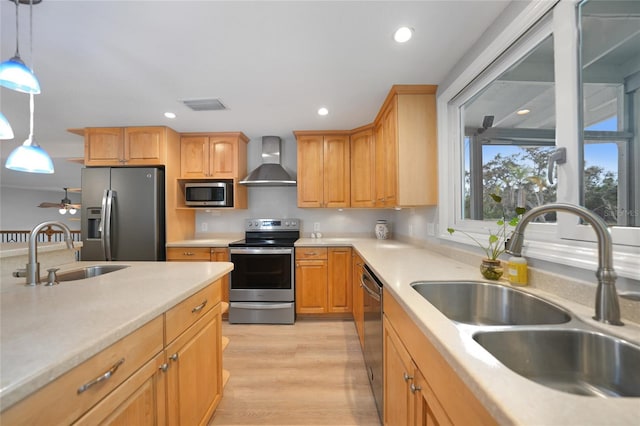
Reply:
x=370 y=285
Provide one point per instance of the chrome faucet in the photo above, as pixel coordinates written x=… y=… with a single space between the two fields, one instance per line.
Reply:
x=607 y=305
x=33 y=267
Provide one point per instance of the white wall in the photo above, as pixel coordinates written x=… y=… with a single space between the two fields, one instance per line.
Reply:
x=265 y=202
x=19 y=208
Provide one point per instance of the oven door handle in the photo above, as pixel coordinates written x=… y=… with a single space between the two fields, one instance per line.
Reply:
x=260 y=250
x=250 y=305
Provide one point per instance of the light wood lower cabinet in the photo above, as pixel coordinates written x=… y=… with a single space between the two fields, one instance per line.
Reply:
x=358 y=296
x=420 y=387
x=194 y=374
x=140 y=400
x=169 y=371
x=202 y=254
x=323 y=280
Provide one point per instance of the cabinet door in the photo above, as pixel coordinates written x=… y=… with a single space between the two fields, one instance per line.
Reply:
x=311 y=286
x=144 y=146
x=140 y=400
x=358 y=296
x=337 y=172
x=103 y=146
x=398 y=373
x=194 y=156
x=223 y=157
x=221 y=254
x=390 y=159
x=194 y=381
x=363 y=169
x=381 y=166
x=339 y=280
x=310 y=171
x=427 y=409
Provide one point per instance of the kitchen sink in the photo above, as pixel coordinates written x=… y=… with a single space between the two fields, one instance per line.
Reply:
x=570 y=360
x=88 y=272
x=480 y=303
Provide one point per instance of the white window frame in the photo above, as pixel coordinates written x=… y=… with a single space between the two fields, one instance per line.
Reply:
x=566 y=242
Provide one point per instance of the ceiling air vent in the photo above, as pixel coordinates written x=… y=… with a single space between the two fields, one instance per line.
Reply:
x=205 y=105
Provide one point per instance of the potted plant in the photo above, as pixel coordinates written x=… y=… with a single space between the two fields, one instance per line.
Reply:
x=491 y=267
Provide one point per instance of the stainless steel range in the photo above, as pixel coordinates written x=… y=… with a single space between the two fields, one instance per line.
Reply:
x=262 y=287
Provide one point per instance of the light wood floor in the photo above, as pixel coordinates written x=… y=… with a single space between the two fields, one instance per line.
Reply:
x=309 y=373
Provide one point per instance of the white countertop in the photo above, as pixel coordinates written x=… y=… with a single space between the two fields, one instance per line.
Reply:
x=45 y=331
x=34 y=351
x=509 y=397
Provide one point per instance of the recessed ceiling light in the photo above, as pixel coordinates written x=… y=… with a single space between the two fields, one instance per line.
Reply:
x=170 y=114
x=523 y=112
x=323 y=111
x=403 y=34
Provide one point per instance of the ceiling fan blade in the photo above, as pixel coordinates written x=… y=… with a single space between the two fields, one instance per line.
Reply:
x=50 y=205
x=74 y=189
x=73 y=206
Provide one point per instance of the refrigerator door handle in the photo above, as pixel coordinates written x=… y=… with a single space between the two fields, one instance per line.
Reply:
x=108 y=217
x=101 y=227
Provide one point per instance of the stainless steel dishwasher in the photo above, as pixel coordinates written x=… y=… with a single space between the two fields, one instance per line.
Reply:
x=373 y=333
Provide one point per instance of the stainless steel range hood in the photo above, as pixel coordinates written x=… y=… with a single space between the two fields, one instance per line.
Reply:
x=270 y=172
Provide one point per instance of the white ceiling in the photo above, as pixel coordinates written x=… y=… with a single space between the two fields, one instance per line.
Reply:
x=272 y=63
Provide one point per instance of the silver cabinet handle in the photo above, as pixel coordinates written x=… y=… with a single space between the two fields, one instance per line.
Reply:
x=174 y=357
x=102 y=377
x=188 y=253
x=414 y=388
x=407 y=377
x=164 y=367
x=199 y=307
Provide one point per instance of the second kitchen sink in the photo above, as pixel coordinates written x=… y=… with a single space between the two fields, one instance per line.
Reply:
x=570 y=360
x=88 y=272
x=480 y=303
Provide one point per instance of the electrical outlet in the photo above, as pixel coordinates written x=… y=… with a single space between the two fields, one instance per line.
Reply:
x=204 y=226
x=410 y=230
x=431 y=229
x=316 y=226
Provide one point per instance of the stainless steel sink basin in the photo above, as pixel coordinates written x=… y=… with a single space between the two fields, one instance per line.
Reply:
x=88 y=272
x=480 y=303
x=570 y=360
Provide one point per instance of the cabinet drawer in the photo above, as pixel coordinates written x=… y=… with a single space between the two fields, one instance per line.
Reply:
x=189 y=253
x=69 y=396
x=179 y=318
x=311 y=253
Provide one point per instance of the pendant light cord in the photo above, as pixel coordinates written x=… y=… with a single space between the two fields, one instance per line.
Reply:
x=31 y=101
x=17 y=30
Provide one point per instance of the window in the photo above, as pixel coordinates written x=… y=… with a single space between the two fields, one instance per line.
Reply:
x=543 y=70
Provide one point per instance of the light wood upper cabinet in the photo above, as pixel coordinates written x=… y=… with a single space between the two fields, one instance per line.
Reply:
x=363 y=168
x=407 y=156
x=213 y=155
x=128 y=146
x=323 y=169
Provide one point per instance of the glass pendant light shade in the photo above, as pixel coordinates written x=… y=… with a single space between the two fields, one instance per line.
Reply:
x=30 y=157
x=15 y=75
x=6 y=132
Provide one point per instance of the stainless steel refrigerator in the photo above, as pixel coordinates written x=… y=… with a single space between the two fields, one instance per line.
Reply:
x=123 y=213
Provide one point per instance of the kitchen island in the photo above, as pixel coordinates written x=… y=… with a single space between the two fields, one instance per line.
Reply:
x=508 y=397
x=47 y=331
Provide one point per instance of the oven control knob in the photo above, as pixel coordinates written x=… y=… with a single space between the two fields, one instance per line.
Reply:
x=256 y=223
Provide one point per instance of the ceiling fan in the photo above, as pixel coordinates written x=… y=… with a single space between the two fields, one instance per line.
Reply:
x=65 y=204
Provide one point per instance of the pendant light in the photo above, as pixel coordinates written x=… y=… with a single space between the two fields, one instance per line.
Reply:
x=14 y=74
x=30 y=157
x=6 y=132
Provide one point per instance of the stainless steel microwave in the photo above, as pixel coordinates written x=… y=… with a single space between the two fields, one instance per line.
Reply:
x=209 y=194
